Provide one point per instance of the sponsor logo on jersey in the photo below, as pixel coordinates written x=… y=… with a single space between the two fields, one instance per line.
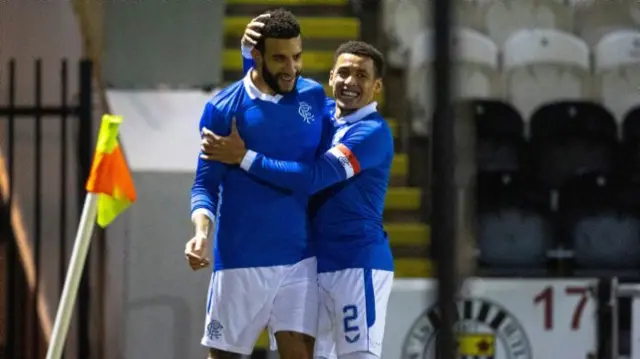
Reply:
x=484 y=329
x=305 y=112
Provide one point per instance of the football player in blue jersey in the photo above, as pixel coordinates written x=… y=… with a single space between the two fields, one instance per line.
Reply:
x=264 y=268
x=349 y=181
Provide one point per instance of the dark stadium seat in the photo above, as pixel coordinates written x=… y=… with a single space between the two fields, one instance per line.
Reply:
x=514 y=227
x=630 y=152
x=598 y=217
x=569 y=138
x=499 y=133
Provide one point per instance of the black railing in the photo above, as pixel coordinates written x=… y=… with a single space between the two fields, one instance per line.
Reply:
x=22 y=325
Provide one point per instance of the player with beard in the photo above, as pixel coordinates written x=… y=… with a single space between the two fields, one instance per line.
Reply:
x=264 y=269
x=349 y=181
x=280 y=82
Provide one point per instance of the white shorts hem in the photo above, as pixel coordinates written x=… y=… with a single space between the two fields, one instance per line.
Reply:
x=226 y=348
x=272 y=343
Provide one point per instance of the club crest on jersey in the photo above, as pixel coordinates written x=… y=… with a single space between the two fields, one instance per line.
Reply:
x=485 y=330
x=214 y=329
x=305 y=112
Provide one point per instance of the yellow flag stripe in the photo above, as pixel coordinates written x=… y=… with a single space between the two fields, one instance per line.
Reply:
x=108 y=135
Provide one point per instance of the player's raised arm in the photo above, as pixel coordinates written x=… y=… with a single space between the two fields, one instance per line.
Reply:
x=247 y=60
x=366 y=145
x=252 y=33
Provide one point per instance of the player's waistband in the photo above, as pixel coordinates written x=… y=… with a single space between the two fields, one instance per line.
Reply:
x=254 y=261
x=374 y=256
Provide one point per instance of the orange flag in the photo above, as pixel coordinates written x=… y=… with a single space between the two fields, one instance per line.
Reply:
x=110 y=177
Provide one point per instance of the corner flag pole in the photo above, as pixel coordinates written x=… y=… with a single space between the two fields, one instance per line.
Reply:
x=110 y=191
x=74 y=274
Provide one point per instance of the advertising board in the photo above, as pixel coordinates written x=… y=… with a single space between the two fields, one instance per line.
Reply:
x=498 y=318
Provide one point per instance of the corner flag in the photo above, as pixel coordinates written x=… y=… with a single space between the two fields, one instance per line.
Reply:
x=110 y=177
x=110 y=191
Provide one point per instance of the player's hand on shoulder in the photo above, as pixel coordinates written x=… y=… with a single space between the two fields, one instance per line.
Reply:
x=230 y=149
x=196 y=252
x=253 y=31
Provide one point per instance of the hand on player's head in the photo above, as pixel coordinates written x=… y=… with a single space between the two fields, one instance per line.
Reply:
x=253 y=31
x=229 y=149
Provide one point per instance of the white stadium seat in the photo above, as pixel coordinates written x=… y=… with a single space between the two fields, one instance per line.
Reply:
x=545 y=65
x=472 y=13
x=617 y=68
x=596 y=18
x=403 y=20
x=478 y=77
x=503 y=18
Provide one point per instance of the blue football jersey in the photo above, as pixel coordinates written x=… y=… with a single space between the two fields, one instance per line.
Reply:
x=349 y=181
x=258 y=223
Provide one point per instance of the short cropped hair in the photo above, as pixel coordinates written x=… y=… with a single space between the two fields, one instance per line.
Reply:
x=282 y=24
x=361 y=48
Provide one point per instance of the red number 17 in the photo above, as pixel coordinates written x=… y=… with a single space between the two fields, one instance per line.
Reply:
x=546 y=298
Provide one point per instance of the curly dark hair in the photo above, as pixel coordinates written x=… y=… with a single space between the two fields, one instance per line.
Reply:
x=361 y=48
x=282 y=24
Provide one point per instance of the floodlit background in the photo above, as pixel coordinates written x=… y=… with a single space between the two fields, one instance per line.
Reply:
x=551 y=87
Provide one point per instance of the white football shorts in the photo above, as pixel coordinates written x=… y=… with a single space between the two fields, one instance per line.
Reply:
x=353 y=309
x=242 y=302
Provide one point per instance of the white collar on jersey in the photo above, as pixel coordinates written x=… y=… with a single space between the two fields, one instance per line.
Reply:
x=254 y=93
x=360 y=114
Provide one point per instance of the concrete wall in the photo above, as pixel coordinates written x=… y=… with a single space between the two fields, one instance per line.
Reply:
x=157 y=42
x=155 y=302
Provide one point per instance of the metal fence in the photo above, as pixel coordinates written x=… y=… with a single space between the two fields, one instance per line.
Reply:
x=22 y=333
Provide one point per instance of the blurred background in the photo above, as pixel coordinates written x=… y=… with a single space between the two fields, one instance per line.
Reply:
x=547 y=93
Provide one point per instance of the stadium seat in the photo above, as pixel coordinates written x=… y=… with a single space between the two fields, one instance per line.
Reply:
x=404 y=20
x=594 y=19
x=629 y=163
x=504 y=18
x=618 y=71
x=569 y=138
x=544 y=65
x=598 y=217
x=472 y=13
x=478 y=76
x=499 y=133
x=514 y=229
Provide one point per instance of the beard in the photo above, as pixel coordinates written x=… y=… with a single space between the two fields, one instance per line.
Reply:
x=272 y=80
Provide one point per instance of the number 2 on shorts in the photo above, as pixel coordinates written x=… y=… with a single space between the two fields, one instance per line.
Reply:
x=350 y=315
